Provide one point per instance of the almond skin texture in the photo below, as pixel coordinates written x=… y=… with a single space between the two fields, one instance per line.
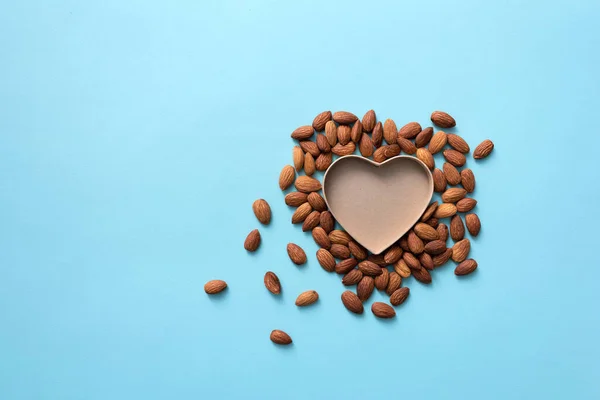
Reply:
x=312 y=221
x=369 y=268
x=445 y=210
x=327 y=221
x=252 y=240
x=317 y=202
x=455 y=158
x=341 y=150
x=458 y=143
x=406 y=145
x=215 y=286
x=422 y=275
x=433 y=222
x=272 y=283
x=460 y=250
x=391 y=150
x=442 y=230
x=369 y=120
x=402 y=269
x=429 y=211
x=438 y=141
x=344 y=134
x=295 y=199
x=352 y=302
x=365 y=288
x=394 y=283
x=403 y=242
x=309 y=164
x=426 y=232
x=323 y=161
x=286 y=177
x=280 y=337
x=339 y=251
x=307 y=184
x=378 y=259
x=321 y=239
x=426 y=261
x=381 y=281
x=345 y=266
x=323 y=144
x=451 y=173
x=473 y=224
x=439 y=180
x=303 y=132
x=352 y=277
x=365 y=146
x=310 y=147
x=262 y=211
x=435 y=247
x=410 y=130
x=296 y=254
x=344 y=117
x=411 y=261
x=331 y=133
x=443 y=258
x=326 y=260
x=356 y=132
x=301 y=213
x=415 y=244
x=377 y=136
x=466 y=204
x=453 y=195
x=307 y=298
x=390 y=131
x=393 y=254
x=442 y=119
x=382 y=310
x=424 y=137
x=379 y=155
x=399 y=296
x=298 y=158
x=457 y=228
x=424 y=155
x=359 y=252
x=320 y=120
x=339 y=237
x=465 y=267
x=483 y=149
x=467 y=179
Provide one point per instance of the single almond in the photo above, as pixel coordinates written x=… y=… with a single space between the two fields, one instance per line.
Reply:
x=352 y=277
x=327 y=221
x=215 y=286
x=382 y=310
x=424 y=155
x=323 y=143
x=341 y=150
x=286 y=177
x=473 y=224
x=310 y=147
x=424 y=137
x=443 y=258
x=457 y=228
x=369 y=120
x=280 y=337
x=402 y=269
x=445 y=210
x=303 y=132
x=455 y=158
x=309 y=164
x=391 y=150
x=438 y=141
x=262 y=211
x=410 y=130
x=453 y=195
x=429 y=211
x=390 y=131
x=425 y=231
x=439 y=180
x=403 y=242
x=458 y=143
x=296 y=254
x=442 y=230
x=357 y=251
x=466 y=267
x=320 y=237
x=422 y=275
x=365 y=288
x=406 y=145
x=356 y=132
x=415 y=244
x=377 y=135
x=307 y=184
x=435 y=247
x=379 y=155
x=381 y=281
x=320 y=120
x=344 y=134
x=323 y=161
x=352 y=302
x=442 y=119
x=301 y=213
x=252 y=240
x=298 y=158
x=344 y=117
x=312 y=221
x=326 y=260
x=272 y=283
x=394 y=282
x=378 y=259
x=294 y=199
x=345 y=266
x=339 y=237
x=483 y=149
x=451 y=173
x=317 y=202
x=426 y=261
x=399 y=296
x=466 y=204
x=339 y=251
x=410 y=260
x=468 y=180
x=433 y=222
x=369 y=268
x=331 y=133
x=460 y=250
x=365 y=146
x=393 y=254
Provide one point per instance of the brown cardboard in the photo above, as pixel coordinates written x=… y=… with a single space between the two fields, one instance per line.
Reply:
x=377 y=203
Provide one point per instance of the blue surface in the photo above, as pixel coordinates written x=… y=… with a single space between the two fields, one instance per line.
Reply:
x=134 y=138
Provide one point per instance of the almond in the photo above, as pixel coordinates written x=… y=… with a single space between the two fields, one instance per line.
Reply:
x=356 y=132
x=458 y=143
x=331 y=133
x=422 y=275
x=381 y=281
x=378 y=259
x=320 y=120
x=411 y=261
x=455 y=158
x=457 y=228
x=317 y=202
x=466 y=267
x=439 y=180
x=429 y=211
x=390 y=131
x=339 y=237
x=445 y=210
x=394 y=283
x=339 y=251
x=426 y=232
x=365 y=288
x=369 y=268
x=468 y=180
x=466 y=204
x=483 y=149
x=433 y=222
x=426 y=261
x=443 y=258
x=391 y=150
x=310 y=147
x=345 y=266
x=298 y=158
x=406 y=145
x=344 y=134
x=272 y=283
x=435 y=247
x=301 y=213
x=340 y=150
x=252 y=240
x=473 y=224
x=453 y=195
x=326 y=260
x=262 y=211
x=296 y=254
x=215 y=286
x=379 y=154
x=312 y=221
x=424 y=155
x=382 y=310
x=344 y=117
x=323 y=143
x=377 y=136
x=442 y=230
x=438 y=141
x=393 y=254
x=399 y=296
x=327 y=221
x=286 y=177
x=307 y=184
x=295 y=199
x=442 y=119
x=280 y=337
x=352 y=302
x=307 y=298
x=402 y=269
x=303 y=132
x=365 y=146
x=359 y=252
x=403 y=242
x=320 y=237
x=352 y=277
x=415 y=244
x=451 y=173
x=460 y=250
x=410 y=130
x=323 y=161
x=424 y=137
x=309 y=164
x=368 y=121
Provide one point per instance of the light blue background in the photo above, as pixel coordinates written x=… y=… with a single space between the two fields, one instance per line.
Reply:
x=135 y=135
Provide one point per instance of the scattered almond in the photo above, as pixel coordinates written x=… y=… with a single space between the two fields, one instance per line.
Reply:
x=473 y=224
x=280 y=337
x=369 y=268
x=331 y=133
x=309 y=164
x=439 y=180
x=272 y=283
x=466 y=204
x=379 y=155
x=295 y=199
x=391 y=150
x=453 y=195
x=442 y=230
x=399 y=296
x=422 y=275
x=466 y=267
x=445 y=210
x=383 y=310
x=341 y=150
x=455 y=158
x=303 y=132
x=394 y=282
x=424 y=137
x=438 y=141
x=286 y=177
x=368 y=121
x=451 y=173
x=339 y=237
x=307 y=298
x=323 y=143
x=458 y=143
x=352 y=277
x=410 y=260
x=401 y=268
x=390 y=131
x=365 y=288
x=435 y=247
x=426 y=232
x=381 y=281
x=483 y=149
x=345 y=266
x=357 y=251
x=252 y=240
x=320 y=120
x=442 y=258
x=460 y=250
x=468 y=180
x=307 y=184
x=457 y=228
x=352 y=302
x=296 y=254
x=443 y=119
x=344 y=117
x=310 y=147
x=301 y=213
x=298 y=158
x=312 y=221
x=215 y=286
x=424 y=155
x=365 y=146
x=429 y=211
x=410 y=130
x=327 y=221
x=262 y=211
x=393 y=254
x=415 y=244
x=426 y=261
x=344 y=134
x=317 y=202
x=326 y=260
x=339 y=251
x=377 y=135
x=321 y=239
x=323 y=161
x=406 y=145
x=356 y=132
